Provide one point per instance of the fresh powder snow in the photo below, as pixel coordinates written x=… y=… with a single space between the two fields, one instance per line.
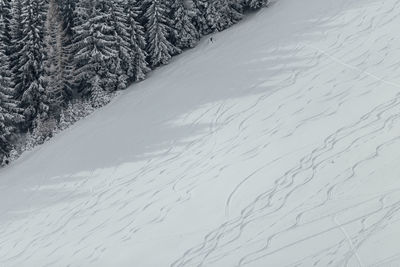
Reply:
x=277 y=144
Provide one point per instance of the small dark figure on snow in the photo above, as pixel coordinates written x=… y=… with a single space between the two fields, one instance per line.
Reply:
x=211 y=40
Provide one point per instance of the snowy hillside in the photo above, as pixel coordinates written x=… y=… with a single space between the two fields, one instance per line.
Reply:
x=275 y=145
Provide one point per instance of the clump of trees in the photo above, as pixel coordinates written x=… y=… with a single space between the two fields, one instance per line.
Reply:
x=61 y=59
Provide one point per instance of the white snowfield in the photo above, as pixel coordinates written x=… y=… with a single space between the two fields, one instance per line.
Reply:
x=276 y=145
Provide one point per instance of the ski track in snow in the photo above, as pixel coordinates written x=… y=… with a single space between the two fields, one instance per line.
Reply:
x=292 y=163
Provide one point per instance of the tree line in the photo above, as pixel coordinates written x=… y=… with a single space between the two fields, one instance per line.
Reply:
x=59 y=58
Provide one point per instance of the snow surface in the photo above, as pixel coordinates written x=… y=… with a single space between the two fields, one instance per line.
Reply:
x=276 y=145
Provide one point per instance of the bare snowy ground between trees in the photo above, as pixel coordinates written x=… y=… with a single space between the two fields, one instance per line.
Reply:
x=275 y=145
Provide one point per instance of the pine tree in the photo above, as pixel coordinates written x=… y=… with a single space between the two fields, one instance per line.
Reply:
x=81 y=33
x=9 y=118
x=30 y=87
x=95 y=51
x=16 y=45
x=57 y=87
x=222 y=14
x=158 y=29
x=213 y=16
x=199 y=19
x=6 y=17
x=67 y=16
x=137 y=42
x=255 y=4
x=67 y=12
x=216 y=15
x=235 y=11
x=9 y=113
x=184 y=33
x=123 y=61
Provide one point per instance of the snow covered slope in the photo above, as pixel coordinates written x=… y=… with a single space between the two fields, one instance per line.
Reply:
x=276 y=145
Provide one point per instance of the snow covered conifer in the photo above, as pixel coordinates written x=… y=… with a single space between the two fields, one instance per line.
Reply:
x=16 y=26
x=54 y=64
x=158 y=29
x=235 y=11
x=222 y=14
x=137 y=42
x=199 y=19
x=95 y=51
x=66 y=10
x=5 y=17
x=30 y=86
x=67 y=17
x=255 y=4
x=184 y=33
x=119 y=22
x=9 y=112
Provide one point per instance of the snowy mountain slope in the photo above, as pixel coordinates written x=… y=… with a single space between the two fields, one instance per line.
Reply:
x=276 y=145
